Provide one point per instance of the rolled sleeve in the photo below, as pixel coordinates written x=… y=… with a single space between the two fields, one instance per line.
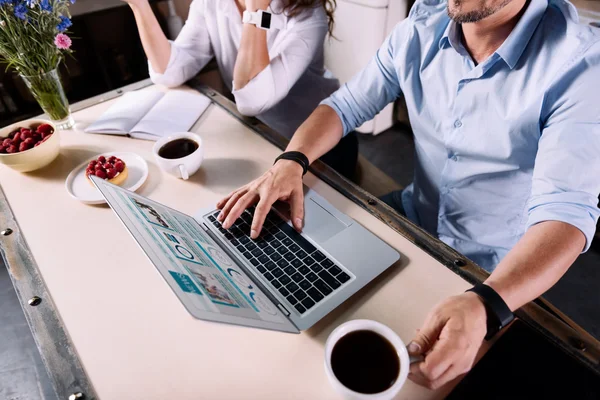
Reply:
x=576 y=209
x=168 y=78
x=190 y=52
x=367 y=93
x=258 y=95
x=566 y=184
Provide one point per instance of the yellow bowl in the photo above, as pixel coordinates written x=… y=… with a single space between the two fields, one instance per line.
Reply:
x=36 y=157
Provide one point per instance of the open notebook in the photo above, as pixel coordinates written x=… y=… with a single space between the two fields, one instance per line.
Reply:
x=151 y=115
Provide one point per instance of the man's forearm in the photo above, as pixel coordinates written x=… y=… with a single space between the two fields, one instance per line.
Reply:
x=253 y=56
x=320 y=133
x=536 y=262
x=156 y=45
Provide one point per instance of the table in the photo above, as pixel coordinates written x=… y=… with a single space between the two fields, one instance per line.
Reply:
x=109 y=327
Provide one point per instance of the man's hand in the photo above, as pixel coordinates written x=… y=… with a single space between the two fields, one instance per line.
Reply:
x=449 y=339
x=282 y=182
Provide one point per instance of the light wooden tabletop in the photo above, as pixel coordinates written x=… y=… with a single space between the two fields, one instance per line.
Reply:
x=133 y=336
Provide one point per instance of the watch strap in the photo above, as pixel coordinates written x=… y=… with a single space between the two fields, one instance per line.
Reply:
x=296 y=156
x=258 y=18
x=498 y=312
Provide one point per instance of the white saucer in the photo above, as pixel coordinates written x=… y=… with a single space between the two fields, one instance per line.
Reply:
x=80 y=188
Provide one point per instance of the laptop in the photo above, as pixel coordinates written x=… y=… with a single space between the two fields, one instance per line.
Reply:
x=284 y=280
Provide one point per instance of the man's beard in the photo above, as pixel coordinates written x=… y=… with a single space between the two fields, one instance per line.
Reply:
x=475 y=15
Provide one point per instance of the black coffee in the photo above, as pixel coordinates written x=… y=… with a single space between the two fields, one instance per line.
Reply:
x=178 y=148
x=365 y=362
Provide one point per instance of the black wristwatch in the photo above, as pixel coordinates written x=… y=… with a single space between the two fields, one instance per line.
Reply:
x=296 y=156
x=498 y=313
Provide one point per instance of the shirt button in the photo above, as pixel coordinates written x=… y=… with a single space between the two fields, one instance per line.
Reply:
x=457 y=124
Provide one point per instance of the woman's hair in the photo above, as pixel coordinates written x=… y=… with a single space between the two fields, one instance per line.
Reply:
x=294 y=7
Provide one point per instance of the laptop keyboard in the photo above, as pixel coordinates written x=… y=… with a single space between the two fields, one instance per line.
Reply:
x=291 y=264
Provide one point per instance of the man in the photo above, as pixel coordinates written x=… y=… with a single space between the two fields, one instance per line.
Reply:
x=503 y=100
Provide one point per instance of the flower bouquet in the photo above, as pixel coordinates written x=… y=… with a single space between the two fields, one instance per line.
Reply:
x=33 y=41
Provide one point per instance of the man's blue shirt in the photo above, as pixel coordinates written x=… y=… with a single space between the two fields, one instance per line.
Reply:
x=502 y=145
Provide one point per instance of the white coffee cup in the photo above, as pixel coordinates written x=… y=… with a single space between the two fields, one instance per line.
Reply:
x=180 y=167
x=386 y=332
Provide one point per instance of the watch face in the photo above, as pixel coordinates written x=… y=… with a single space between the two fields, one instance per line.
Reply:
x=265 y=23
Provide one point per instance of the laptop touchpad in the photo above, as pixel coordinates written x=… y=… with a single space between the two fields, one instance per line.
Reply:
x=320 y=224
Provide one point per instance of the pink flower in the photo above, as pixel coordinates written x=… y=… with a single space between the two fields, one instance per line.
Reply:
x=62 y=41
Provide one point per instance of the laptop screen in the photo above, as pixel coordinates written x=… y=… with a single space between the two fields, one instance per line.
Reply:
x=205 y=279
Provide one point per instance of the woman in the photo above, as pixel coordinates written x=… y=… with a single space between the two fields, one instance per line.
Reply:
x=277 y=74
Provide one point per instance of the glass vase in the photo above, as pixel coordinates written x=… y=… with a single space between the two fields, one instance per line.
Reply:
x=47 y=89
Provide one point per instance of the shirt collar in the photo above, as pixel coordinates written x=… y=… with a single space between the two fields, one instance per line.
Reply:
x=450 y=36
x=514 y=45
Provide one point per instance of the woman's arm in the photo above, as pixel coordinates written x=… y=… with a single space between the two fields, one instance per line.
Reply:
x=174 y=63
x=263 y=78
x=156 y=45
x=253 y=54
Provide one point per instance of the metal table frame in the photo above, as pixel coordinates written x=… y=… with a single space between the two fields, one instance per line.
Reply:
x=60 y=357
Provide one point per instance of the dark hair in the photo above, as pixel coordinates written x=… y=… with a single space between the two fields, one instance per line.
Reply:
x=294 y=7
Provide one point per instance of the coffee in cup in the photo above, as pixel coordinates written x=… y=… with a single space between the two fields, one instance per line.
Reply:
x=365 y=359
x=180 y=154
x=365 y=362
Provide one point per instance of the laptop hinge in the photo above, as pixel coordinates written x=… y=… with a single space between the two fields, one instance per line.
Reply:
x=283 y=309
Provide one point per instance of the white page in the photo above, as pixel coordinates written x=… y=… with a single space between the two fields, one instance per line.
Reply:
x=176 y=112
x=122 y=116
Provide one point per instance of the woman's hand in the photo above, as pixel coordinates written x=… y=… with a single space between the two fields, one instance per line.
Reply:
x=283 y=181
x=253 y=5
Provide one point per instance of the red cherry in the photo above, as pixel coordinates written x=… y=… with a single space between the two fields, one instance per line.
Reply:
x=45 y=128
x=7 y=142
x=89 y=171
x=92 y=163
x=11 y=149
x=17 y=136
x=13 y=133
x=119 y=166
x=102 y=159
x=107 y=165
x=26 y=133
x=111 y=173
x=29 y=141
x=100 y=173
x=112 y=159
x=23 y=147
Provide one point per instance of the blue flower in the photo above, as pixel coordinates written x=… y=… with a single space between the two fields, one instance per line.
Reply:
x=21 y=11
x=64 y=24
x=45 y=5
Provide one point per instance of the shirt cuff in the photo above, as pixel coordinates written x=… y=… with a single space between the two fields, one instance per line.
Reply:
x=166 y=77
x=580 y=215
x=253 y=99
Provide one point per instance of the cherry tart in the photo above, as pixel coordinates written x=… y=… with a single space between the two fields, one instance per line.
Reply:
x=112 y=169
